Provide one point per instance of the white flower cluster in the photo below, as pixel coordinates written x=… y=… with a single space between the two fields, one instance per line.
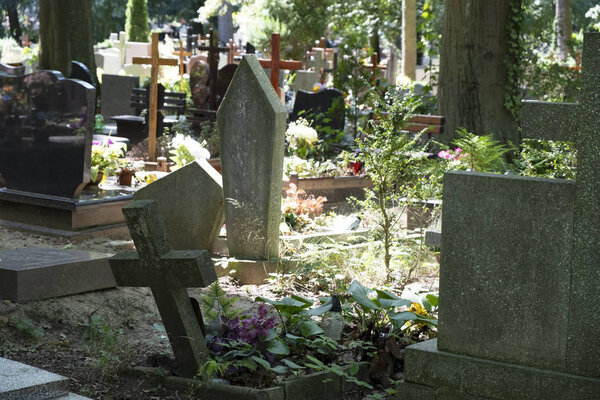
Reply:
x=194 y=147
x=300 y=131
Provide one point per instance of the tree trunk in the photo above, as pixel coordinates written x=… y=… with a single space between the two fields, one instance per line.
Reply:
x=13 y=20
x=564 y=29
x=66 y=35
x=473 y=76
x=409 y=39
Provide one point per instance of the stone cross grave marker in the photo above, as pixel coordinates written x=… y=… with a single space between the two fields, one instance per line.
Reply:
x=213 y=67
x=316 y=59
x=168 y=273
x=251 y=121
x=181 y=53
x=521 y=311
x=155 y=61
x=579 y=122
x=275 y=64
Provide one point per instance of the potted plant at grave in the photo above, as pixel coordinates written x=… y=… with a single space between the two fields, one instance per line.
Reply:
x=125 y=174
x=105 y=159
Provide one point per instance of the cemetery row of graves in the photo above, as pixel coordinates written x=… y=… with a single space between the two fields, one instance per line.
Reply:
x=221 y=169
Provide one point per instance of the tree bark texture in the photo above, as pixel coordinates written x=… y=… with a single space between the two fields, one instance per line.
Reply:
x=473 y=75
x=66 y=35
x=564 y=29
x=13 y=19
x=409 y=39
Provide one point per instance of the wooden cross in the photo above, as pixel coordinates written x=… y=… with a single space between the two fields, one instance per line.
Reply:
x=182 y=53
x=155 y=61
x=275 y=64
x=213 y=66
x=26 y=42
x=374 y=67
x=167 y=273
x=578 y=122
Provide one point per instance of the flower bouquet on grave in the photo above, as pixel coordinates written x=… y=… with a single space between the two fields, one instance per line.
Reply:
x=105 y=159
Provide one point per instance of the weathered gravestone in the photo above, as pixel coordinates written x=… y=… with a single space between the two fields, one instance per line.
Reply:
x=251 y=123
x=46 y=125
x=310 y=105
x=168 y=273
x=305 y=80
x=519 y=311
x=34 y=273
x=116 y=94
x=190 y=200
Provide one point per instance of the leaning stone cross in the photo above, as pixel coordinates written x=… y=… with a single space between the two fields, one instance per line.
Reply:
x=275 y=64
x=155 y=61
x=579 y=122
x=168 y=273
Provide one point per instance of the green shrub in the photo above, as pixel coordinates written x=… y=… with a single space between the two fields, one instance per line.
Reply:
x=136 y=24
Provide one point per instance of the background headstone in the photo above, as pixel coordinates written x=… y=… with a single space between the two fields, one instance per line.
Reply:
x=251 y=123
x=81 y=72
x=198 y=71
x=116 y=95
x=46 y=133
x=190 y=200
x=305 y=80
x=310 y=105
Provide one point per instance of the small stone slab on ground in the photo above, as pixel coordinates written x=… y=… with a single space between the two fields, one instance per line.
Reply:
x=35 y=273
x=23 y=382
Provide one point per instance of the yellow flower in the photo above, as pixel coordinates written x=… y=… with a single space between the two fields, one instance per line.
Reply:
x=418 y=309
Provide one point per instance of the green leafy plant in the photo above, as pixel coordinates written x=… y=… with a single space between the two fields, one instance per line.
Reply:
x=548 y=159
x=391 y=158
x=216 y=304
x=185 y=149
x=111 y=354
x=480 y=153
x=28 y=327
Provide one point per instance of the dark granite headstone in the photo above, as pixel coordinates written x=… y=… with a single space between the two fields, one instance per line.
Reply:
x=313 y=105
x=81 y=72
x=199 y=82
x=46 y=127
x=225 y=77
x=116 y=94
x=34 y=273
x=250 y=49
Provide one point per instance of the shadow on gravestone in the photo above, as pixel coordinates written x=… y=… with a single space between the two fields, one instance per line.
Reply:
x=519 y=271
x=46 y=125
x=190 y=201
x=318 y=106
x=251 y=123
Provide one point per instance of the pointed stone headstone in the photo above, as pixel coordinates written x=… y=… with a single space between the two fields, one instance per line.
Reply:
x=190 y=201
x=251 y=123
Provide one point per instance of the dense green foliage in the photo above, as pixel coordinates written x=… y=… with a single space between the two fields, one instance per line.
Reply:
x=137 y=19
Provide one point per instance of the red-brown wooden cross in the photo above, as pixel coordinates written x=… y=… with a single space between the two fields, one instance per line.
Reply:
x=181 y=54
x=213 y=66
x=155 y=61
x=374 y=67
x=275 y=64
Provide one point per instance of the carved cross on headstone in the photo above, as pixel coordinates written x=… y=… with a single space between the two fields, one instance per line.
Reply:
x=167 y=273
x=155 y=61
x=579 y=122
x=213 y=67
x=181 y=54
x=374 y=67
x=275 y=64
